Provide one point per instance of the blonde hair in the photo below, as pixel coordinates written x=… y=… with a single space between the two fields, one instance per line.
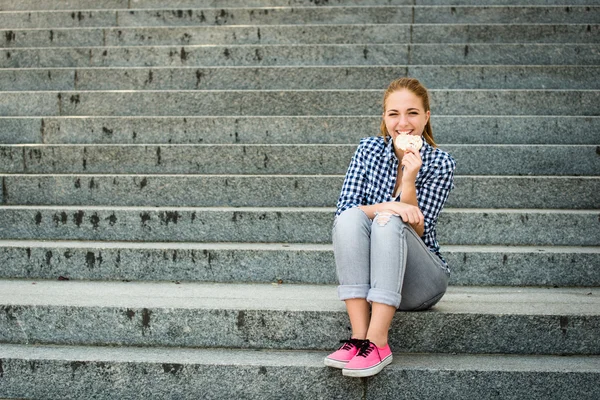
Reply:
x=420 y=91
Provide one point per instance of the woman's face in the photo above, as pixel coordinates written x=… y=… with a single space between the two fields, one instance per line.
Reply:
x=404 y=114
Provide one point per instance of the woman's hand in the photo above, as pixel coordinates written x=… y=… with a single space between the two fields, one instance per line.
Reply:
x=409 y=213
x=411 y=161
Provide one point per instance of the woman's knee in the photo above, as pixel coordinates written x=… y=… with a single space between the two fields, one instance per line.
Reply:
x=351 y=219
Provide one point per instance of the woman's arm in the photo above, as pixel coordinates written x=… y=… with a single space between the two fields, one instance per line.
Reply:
x=408 y=212
x=353 y=189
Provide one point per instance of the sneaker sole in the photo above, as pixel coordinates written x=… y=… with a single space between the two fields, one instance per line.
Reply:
x=334 y=363
x=361 y=373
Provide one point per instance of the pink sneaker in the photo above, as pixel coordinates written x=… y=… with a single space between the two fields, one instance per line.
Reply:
x=369 y=360
x=348 y=349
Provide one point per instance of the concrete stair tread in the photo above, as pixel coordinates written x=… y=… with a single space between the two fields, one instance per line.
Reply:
x=349 y=14
x=7 y=5
x=296 y=159
x=304 y=77
x=303 y=34
x=285 y=209
x=310 y=263
x=284 y=224
x=295 y=54
x=322 y=298
x=275 y=246
x=282 y=358
x=548 y=320
x=471 y=191
x=290 y=102
x=299 y=129
x=70 y=372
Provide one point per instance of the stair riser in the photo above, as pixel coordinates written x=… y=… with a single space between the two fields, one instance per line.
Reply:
x=281 y=55
x=313 y=102
x=274 y=191
x=410 y=332
x=311 y=226
x=299 y=16
x=282 y=159
x=299 y=78
x=300 y=34
x=35 y=377
x=8 y=5
x=209 y=264
x=287 y=130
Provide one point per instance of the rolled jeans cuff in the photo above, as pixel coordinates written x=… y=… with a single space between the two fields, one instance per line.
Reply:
x=346 y=292
x=384 y=297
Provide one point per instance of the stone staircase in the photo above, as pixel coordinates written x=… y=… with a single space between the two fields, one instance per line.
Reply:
x=170 y=170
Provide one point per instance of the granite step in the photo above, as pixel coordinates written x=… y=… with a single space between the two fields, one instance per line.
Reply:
x=475 y=129
x=300 y=78
x=280 y=262
x=291 y=103
x=293 y=159
x=457 y=226
x=303 y=55
x=74 y=372
x=302 y=34
x=266 y=316
x=281 y=191
x=301 y=15
x=30 y=5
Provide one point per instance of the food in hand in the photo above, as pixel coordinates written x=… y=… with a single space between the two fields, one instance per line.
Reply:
x=402 y=142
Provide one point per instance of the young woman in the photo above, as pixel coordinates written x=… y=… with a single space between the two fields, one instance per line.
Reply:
x=384 y=234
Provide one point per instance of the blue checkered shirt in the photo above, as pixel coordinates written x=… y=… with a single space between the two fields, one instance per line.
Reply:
x=371 y=178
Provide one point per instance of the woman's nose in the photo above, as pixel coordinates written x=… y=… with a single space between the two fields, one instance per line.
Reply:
x=402 y=120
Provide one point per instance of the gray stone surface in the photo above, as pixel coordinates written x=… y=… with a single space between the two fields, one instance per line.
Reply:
x=232 y=55
x=303 y=34
x=269 y=16
x=521 y=14
x=74 y=371
x=287 y=263
x=8 y=5
x=58 y=19
x=29 y=103
x=17 y=38
x=288 y=225
x=302 y=15
x=203 y=262
x=309 y=55
x=449 y=383
x=526 y=33
x=264 y=34
x=504 y=54
x=290 y=78
x=280 y=191
x=467 y=320
x=37 y=79
x=299 y=129
x=20 y=130
x=523 y=266
x=59 y=372
x=282 y=159
x=279 y=102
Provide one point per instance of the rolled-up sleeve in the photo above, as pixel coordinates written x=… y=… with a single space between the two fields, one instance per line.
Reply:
x=353 y=190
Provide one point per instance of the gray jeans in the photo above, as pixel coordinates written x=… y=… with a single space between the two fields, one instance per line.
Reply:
x=385 y=261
